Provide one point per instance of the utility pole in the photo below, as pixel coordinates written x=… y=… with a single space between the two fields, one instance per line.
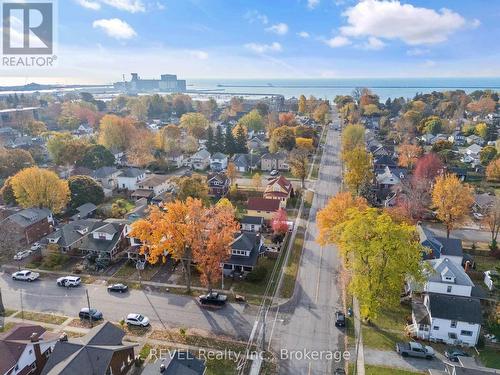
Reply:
x=22 y=307
x=222 y=272
x=88 y=304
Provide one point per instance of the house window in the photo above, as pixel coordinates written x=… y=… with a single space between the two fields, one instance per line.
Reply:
x=452 y=335
x=435 y=328
x=466 y=333
x=453 y=324
x=448 y=289
x=30 y=351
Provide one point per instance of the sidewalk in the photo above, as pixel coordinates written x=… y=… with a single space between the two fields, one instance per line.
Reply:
x=360 y=354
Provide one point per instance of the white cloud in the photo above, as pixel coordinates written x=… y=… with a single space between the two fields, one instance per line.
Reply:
x=94 y=5
x=374 y=44
x=132 y=6
x=200 y=55
x=160 y=6
x=393 y=20
x=338 y=41
x=115 y=28
x=417 y=51
x=311 y=4
x=263 y=48
x=429 y=63
x=303 y=34
x=280 y=28
x=254 y=16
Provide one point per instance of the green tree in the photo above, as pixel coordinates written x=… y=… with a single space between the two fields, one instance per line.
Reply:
x=7 y=192
x=85 y=189
x=12 y=161
x=96 y=156
x=210 y=140
x=229 y=142
x=252 y=120
x=381 y=256
x=66 y=149
x=241 y=140
x=359 y=174
x=194 y=186
x=353 y=136
x=487 y=154
x=219 y=140
x=195 y=124
x=432 y=124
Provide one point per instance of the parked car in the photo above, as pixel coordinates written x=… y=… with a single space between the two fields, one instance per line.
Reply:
x=36 y=246
x=90 y=314
x=213 y=298
x=25 y=275
x=68 y=281
x=22 y=254
x=415 y=349
x=339 y=319
x=453 y=353
x=137 y=320
x=339 y=371
x=119 y=288
x=274 y=172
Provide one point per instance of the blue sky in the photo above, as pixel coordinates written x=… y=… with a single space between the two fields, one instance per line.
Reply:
x=98 y=40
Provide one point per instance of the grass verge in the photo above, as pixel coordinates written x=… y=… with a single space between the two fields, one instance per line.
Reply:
x=41 y=317
x=292 y=267
x=490 y=357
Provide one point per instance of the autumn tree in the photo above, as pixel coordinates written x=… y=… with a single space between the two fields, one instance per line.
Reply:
x=231 y=172
x=299 y=162
x=176 y=230
x=481 y=130
x=321 y=113
x=36 y=128
x=493 y=171
x=282 y=138
x=353 y=136
x=194 y=186
x=219 y=227
x=66 y=149
x=428 y=167
x=257 y=181
x=195 y=124
x=36 y=187
x=141 y=148
x=381 y=255
x=408 y=155
x=492 y=221
x=116 y=132
x=84 y=189
x=487 y=154
x=279 y=222
x=358 y=165
x=304 y=144
x=452 y=201
x=302 y=104
x=482 y=106
x=7 y=192
x=414 y=198
x=13 y=160
x=336 y=212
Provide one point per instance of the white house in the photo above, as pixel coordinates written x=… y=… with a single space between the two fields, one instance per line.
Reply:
x=473 y=150
x=129 y=178
x=252 y=223
x=218 y=161
x=387 y=179
x=200 y=161
x=156 y=183
x=444 y=318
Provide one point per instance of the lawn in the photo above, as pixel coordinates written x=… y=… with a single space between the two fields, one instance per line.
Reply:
x=256 y=287
x=41 y=317
x=387 y=329
x=376 y=370
x=490 y=357
x=221 y=367
x=485 y=263
x=7 y=326
x=292 y=267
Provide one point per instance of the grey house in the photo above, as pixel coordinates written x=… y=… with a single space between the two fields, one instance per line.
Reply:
x=245 y=252
x=72 y=235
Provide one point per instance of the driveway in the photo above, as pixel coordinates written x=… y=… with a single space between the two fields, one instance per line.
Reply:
x=385 y=358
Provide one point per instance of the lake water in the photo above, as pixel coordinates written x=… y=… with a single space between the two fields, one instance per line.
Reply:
x=329 y=88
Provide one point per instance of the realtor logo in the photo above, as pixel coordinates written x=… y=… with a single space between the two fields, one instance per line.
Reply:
x=28 y=28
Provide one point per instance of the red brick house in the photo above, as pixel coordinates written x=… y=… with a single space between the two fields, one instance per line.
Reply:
x=29 y=225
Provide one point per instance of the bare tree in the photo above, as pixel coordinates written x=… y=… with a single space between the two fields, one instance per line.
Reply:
x=492 y=220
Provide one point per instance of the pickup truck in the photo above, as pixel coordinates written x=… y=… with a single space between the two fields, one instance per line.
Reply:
x=415 y=349
x=25 y=275
x=213 y=298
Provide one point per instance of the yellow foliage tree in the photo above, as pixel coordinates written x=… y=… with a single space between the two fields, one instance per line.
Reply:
x=409 y=154
x=358 y=164
x=493 y=171
x=353 y=136
x=116 y=132
x=452 y=200
x=304 y=143
x=36 y=187
x=335 y=213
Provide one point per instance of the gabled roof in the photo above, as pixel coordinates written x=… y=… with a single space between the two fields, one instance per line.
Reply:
x=218 y=155
x=275 y=156
x=255 y=220
x=101 y=245
x=73 y=231
x=446 y=266
x=282 y=182
x=220 y=177
x=104 y=172
x=263 y=204
x=131 y=172
x=202 y=154
x=154 y=180
x=29 y=216
x=388 y=177
x=84 y=210
x=87 y=355
x=463 y=309
x=180 y=363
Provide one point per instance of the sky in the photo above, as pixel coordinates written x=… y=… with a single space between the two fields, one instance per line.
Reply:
x=99 y=40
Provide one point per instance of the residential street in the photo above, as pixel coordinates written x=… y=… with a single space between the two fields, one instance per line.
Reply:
x=173 y=310
x=309 y=321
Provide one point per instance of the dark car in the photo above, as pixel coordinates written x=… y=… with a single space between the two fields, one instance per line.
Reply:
x=90 y=314
x=339 y=371
x=119 y=288
x=339 y=319
x=213 y=298
x=453 y=353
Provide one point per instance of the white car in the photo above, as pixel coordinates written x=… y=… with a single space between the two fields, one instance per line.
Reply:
x=22 y=254
x=35 y=246
x=137 y=320
x=68 y=281
x=274 y=172
x=25 y=275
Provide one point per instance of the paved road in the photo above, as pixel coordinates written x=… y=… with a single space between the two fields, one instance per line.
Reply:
x=309 y=325
x=173 y=310
x=467 y=234
x=384 y=358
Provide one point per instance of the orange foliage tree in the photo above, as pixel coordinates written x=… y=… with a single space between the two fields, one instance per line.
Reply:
x=336 y=212
x=493 y=171
x=409 y=154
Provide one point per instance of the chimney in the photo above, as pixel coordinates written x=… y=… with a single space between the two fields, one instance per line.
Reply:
x=162 y=368
x=34 y=337
x=63 y=337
